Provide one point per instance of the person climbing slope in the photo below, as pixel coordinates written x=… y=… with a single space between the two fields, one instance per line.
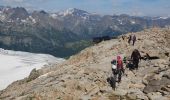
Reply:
x=135 y=56
x=114 y=67
x=120 y=68
x=129 y=39
x=134 y=39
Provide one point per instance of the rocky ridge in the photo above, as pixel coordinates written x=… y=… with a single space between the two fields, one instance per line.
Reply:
x=84 y=76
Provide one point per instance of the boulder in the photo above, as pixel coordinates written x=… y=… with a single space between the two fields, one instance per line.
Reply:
x=167 y=76
x=33 y=75
x=156 y=85
x=152 y=86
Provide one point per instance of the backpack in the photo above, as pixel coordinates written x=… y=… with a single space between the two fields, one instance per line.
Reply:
x=113 y=62
x=119 y=62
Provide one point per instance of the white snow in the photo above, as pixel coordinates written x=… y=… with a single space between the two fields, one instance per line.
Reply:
x=133 y=22
x=71 y=11
x=2 y=17
x=18 y=18
x=32 y=19
x=24 y=21
x=16 y=65
x=54 y=16
x=120 y=21
x=68 y=11
x=163 y=17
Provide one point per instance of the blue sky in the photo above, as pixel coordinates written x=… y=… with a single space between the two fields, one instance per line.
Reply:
x=132 y=7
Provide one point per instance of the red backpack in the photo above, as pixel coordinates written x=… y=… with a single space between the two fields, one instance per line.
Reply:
x=119 y=63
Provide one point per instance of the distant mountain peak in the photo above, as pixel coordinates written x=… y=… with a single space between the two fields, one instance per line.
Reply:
x=73 y=11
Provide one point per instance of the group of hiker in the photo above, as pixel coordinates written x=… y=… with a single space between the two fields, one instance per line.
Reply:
x=131 y=63
x=132 y=38
x=120 y=62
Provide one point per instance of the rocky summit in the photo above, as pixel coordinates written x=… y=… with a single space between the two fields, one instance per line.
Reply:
x=84 y=76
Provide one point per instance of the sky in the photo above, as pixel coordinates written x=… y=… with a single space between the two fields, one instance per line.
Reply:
x=131 y=7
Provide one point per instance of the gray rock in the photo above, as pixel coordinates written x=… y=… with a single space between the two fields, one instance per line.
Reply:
x=120 y=92
x=156 y=96
x=167 y=75
x=131 y=96
x=33 y=75
x=142 y=97
x=152 y=86
x=155 y=85
x=138 y=93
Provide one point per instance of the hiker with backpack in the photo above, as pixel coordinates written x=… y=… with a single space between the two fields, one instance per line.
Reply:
x=135 y=56
x=130 y=65
x=120 y=68
x=112 y=79
x=117 y=68
x=114 y=67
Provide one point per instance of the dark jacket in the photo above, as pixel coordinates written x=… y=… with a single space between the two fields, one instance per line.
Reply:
x=135 y=55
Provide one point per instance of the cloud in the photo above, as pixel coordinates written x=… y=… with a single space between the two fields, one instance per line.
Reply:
x=133 y=7
x=23 y=1
x=13 y=1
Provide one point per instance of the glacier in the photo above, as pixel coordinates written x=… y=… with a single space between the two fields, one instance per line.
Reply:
x=16 y=65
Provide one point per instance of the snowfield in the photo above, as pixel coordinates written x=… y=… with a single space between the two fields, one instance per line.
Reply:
x=16 y=65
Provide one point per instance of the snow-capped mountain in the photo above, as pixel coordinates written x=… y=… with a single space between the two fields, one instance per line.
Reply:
x=16 y=65
x=74 y=12
x=58 y=33
x=160 y=18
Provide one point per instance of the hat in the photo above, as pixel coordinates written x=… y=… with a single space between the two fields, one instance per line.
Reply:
x=118 y=57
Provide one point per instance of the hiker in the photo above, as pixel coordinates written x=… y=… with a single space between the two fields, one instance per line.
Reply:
x=112 y=80
x=117 y=68
x=130 y=38
x=134 y=39
x=135 y=56
x=123 y=37
x=129 y=65
x=114 y=67
x=120 y=68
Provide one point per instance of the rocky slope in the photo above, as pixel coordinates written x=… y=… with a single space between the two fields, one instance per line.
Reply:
x=84 y=76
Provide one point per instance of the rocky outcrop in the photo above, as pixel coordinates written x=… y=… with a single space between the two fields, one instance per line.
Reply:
x=84 y=76
x=33 y=75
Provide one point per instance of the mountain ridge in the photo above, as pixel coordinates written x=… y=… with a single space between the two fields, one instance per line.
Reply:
x=44 y=32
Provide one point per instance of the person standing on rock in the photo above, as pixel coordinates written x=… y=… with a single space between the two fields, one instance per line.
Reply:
x=135 y=56
x=134 y=39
